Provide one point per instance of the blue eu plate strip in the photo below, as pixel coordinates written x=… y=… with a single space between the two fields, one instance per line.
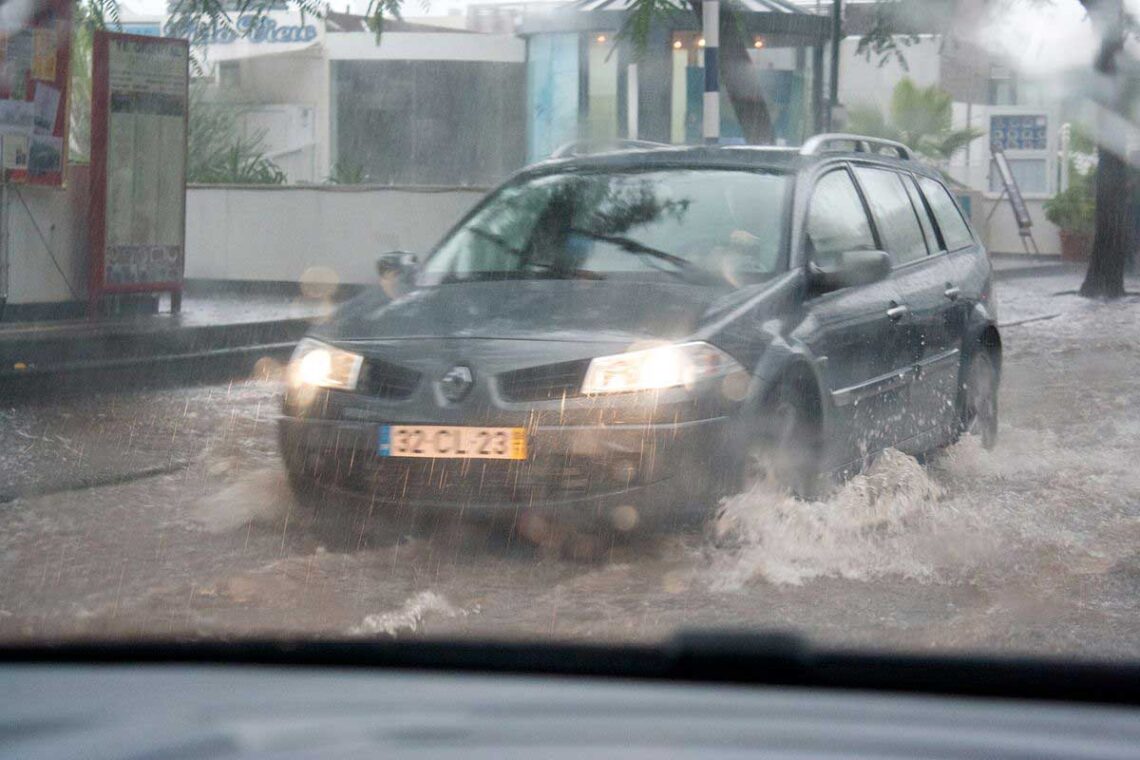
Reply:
x=385 y=447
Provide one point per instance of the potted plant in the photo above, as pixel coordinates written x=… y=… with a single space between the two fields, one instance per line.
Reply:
x=1073 y=210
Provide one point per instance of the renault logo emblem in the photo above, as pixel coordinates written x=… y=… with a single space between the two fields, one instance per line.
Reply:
x=456 y=383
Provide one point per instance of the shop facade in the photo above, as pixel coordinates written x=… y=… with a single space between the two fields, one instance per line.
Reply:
x=587 y=82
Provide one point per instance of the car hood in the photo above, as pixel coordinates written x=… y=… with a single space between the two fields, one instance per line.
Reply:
x=561 y=310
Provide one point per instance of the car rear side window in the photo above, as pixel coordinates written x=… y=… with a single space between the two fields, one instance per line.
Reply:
x=923 y=212
x=837 y=220
x=894 y=214
x=955 y=233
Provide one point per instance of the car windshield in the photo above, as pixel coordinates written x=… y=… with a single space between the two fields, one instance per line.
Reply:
x=571 y=320
x=703 y=225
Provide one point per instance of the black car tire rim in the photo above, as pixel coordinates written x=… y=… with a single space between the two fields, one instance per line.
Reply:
x=981 y=413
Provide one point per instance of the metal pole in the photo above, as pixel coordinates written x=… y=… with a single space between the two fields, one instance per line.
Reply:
x=710 y=20
x=631 y=101
x=820 y=121
x=1066 y=146
x=836 y=38
x=4 y=266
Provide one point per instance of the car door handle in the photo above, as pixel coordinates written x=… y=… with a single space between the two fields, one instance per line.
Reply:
x=952 y=293
x=897 y=312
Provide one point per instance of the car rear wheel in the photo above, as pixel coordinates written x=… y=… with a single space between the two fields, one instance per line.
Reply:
x=980 y=409
x=786 y=450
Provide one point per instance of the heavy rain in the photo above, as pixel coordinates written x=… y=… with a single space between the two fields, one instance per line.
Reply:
x=167 y=512
x=173 y=464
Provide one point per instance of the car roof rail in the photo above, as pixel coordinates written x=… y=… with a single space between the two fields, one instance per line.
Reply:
x=858 y=144
x=590 y=147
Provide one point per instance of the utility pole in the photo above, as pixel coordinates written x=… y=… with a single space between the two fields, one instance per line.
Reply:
x=836 y=38
x=710 y=20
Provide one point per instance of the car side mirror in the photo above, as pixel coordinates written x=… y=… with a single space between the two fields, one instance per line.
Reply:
x=851 y=268
x=400 y=263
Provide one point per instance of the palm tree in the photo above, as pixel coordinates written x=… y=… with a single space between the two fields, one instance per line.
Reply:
x=919 y=117
x=220 y=151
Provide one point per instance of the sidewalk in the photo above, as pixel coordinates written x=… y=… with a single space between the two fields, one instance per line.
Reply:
x=234 y=329
x=229 y=326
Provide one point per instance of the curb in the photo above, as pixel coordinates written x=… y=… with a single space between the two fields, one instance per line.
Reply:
x=139 y=355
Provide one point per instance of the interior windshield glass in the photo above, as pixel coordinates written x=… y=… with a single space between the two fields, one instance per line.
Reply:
x=591 y=320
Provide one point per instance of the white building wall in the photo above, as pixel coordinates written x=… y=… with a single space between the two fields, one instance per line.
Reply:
x=972 y=167
x=279 y=232
x=31 y=274
x=299 y=81
x=1000 y=233
x=863 y=82
x=426 y=46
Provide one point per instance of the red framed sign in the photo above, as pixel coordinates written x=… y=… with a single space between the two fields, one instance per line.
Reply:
x=139 y=111
x=35 y=72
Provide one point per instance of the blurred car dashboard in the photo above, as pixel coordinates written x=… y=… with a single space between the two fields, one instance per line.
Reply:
x=419 y=700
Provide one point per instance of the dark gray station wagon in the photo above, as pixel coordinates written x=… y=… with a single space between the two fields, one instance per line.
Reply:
x=630 y=336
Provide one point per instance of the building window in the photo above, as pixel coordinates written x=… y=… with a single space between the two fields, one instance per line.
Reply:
x=229 y=75
x=1030 y=173
x=602 y=88
x=1003 y=86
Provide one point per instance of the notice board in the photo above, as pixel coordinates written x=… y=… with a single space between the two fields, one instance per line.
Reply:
x=35 y=70
x=139 y=111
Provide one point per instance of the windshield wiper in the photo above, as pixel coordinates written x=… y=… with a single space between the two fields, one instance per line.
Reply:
x=542 y=271
x=496 y=239
x=683 y=268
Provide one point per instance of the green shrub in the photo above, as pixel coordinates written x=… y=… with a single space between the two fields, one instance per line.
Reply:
x=1074 y=208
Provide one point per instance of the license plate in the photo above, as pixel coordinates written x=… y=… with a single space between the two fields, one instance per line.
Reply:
x=443 y=442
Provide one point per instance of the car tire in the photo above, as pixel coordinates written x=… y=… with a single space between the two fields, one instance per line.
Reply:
x=979 y=414
x=786 y=448
x=301 y=483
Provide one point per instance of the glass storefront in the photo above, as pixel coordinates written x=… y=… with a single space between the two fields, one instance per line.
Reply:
x=583 y=86
x=784 y=81
x=427 y=122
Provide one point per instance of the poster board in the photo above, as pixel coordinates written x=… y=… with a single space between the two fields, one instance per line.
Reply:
x=35 y=73
x=1012 y=191
x=139 y=111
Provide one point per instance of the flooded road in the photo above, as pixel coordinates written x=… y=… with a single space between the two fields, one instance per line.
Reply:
x=166 y=513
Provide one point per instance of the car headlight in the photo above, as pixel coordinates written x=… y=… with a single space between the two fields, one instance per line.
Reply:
x=324 y=366
x=657 y=368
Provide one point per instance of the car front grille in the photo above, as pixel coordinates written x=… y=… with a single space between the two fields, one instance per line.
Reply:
x=548 y=382
x=388 y=381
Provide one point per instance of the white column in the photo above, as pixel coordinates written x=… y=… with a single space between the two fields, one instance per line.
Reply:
x=710 y=20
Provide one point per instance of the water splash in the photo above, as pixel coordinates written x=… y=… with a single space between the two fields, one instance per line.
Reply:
x=409 y=617
x=262 y=496
x=884 y=522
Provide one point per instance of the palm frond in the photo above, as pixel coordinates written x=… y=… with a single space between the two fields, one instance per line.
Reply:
x=920 y=117
x=377 y=9
x=955 y=140
x=639 y=20
x=869 y=120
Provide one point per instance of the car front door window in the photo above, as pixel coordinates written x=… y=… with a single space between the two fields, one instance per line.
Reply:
x=861 y=347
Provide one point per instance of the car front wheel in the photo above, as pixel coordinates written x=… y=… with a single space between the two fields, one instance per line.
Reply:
x=786 y=451
x=980 y=412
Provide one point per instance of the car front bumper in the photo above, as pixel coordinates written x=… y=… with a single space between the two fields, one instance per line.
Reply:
x=573 y=471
